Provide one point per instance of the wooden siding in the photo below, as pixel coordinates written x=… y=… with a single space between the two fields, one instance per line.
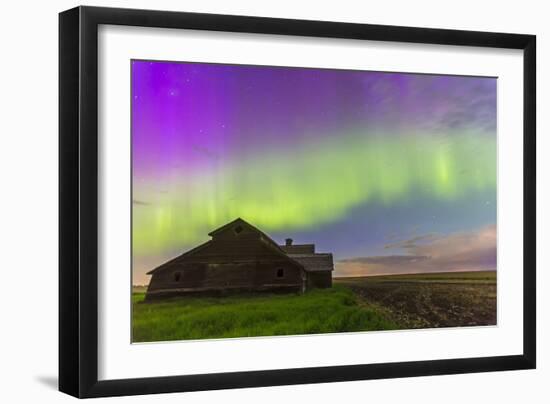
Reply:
x=320 y=279
x=238 y=276
x=239 y=258
x=231 y=261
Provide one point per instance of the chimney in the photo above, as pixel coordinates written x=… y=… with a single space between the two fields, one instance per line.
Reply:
x=288 y=241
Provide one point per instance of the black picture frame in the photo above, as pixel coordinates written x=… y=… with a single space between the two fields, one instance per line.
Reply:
x=78 y=201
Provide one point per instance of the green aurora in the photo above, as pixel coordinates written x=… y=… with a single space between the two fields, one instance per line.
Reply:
x=309 y=186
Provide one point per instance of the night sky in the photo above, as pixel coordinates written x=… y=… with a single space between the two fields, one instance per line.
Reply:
x=390 y=172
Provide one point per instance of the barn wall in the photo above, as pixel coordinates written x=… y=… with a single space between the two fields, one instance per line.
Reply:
x=231 y=261
x=320 y=279
x=188 y=277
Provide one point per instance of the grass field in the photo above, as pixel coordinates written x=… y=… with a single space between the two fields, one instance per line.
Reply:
x=319 y=311
x=353 y=304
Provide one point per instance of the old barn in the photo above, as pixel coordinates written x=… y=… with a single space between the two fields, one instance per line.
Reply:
x=240 y=257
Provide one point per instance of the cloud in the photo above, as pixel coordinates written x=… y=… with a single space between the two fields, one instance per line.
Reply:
x=465 y=251
x=412 y=242
x=386 y=259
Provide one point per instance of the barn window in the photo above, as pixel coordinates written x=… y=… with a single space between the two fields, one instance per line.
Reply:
x=280 y=273
x=238 y=229
x=177 y=276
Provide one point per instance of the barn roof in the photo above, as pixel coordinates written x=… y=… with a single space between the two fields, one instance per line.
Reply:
x=264 y=238
x=301 y=254
x=243 y=222
x=188 y=252
x=314 y=262
x=298 y=248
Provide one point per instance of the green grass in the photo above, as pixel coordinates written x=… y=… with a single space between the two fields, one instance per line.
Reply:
x=320 y=311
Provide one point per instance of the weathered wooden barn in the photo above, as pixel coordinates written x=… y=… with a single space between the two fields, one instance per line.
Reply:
x=239 y=257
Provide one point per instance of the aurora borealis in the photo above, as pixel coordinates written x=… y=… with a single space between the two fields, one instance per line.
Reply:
x=391 y=172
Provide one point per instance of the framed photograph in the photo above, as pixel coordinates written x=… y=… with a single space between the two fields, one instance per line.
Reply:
x=251 y=201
